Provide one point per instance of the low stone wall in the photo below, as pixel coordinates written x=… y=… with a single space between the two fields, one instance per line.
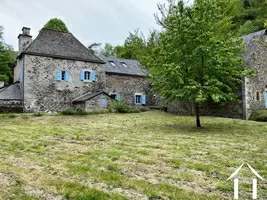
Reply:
x=11 y=106
x=231 y=110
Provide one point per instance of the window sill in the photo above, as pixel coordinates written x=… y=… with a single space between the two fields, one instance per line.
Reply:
x=87 y=81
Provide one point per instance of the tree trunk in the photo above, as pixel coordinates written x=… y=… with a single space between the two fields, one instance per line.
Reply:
x=197 y=116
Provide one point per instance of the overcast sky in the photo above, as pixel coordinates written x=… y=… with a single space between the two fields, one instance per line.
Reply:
x=89 y=20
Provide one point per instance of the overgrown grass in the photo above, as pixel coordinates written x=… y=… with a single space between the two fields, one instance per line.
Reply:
x=151 y=155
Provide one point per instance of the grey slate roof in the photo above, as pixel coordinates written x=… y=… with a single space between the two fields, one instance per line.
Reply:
x=134 y=67
x=89 y=96
x=11 y=92
x=57 y=44
x=251 y=44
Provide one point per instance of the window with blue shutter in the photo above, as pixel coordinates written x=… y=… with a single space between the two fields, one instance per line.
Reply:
x=103 y=101
x=82 y=75
x=137 y=99
x=21 y=76
x=92 y=76
x=143 y=99
x=62 y=76
x=87 y=76
x=58 y=76
x=118 y=97
x=66 y=78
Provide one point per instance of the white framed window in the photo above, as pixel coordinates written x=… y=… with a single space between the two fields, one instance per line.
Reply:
x=87 y=76
x=139 y=99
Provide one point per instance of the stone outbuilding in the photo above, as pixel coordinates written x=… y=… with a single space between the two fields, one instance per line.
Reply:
x=91 y=102
x=11 y=99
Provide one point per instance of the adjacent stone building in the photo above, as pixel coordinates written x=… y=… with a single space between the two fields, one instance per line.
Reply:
x=253 y=91
x=56 y=71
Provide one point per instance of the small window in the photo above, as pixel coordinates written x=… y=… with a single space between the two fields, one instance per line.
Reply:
x=103 y=101
x=87 y=76
x=113 y=96
x=257 y=96
x=63 y=75
x=112 y=63
x=138 y=99
x=124 y=64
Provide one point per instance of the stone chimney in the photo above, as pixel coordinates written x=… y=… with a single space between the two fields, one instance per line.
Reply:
x=24 y=39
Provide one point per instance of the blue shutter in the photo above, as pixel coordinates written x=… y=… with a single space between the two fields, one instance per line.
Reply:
x=118 y=97
x=21 y=76
x=103 y=102
x=135 y=99
x=58 y=76
x=66 y=76
x=93 y=76
x=143 y=99
x=82 y=75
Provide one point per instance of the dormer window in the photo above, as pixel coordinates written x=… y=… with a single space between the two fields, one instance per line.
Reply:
x=124 y=64
x=113 y=64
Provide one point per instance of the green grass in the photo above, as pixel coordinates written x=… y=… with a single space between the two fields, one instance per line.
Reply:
x=151 y=155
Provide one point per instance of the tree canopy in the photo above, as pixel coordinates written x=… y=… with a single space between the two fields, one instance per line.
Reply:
x=57 y=25
x=197 y=58
x=7 y=58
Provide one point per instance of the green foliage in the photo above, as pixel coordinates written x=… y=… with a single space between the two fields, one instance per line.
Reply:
x=120 y=107
x=38 y=114
x=73 y=111
x=197 y=58
x=254 y=11
x=7 y=58
x=259 y=115
x=57 y=25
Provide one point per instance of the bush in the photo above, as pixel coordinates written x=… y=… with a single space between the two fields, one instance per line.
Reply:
x=120 y=107
x=259 y=115
x=38 y=114
x=73 y=111
x=7 y=115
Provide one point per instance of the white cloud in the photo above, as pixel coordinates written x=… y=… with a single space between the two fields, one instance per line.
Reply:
x=90 y=21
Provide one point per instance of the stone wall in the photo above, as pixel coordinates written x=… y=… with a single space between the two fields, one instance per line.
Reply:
x=44 y=93
x=126 y=86
x=230 y=110
x=95 y=103
x=11 y=106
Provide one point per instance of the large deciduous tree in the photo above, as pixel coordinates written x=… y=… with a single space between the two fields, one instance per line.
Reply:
x=6 y=59
x=198 y=58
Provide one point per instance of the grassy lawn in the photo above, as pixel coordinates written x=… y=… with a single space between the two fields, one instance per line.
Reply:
x=150 y=155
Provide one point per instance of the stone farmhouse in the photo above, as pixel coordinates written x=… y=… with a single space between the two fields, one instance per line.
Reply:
x=56 y=71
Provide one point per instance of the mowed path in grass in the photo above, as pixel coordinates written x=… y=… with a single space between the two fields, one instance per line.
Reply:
x=151 y=155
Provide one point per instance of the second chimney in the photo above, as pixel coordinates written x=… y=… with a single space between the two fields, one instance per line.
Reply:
x=24 y=39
